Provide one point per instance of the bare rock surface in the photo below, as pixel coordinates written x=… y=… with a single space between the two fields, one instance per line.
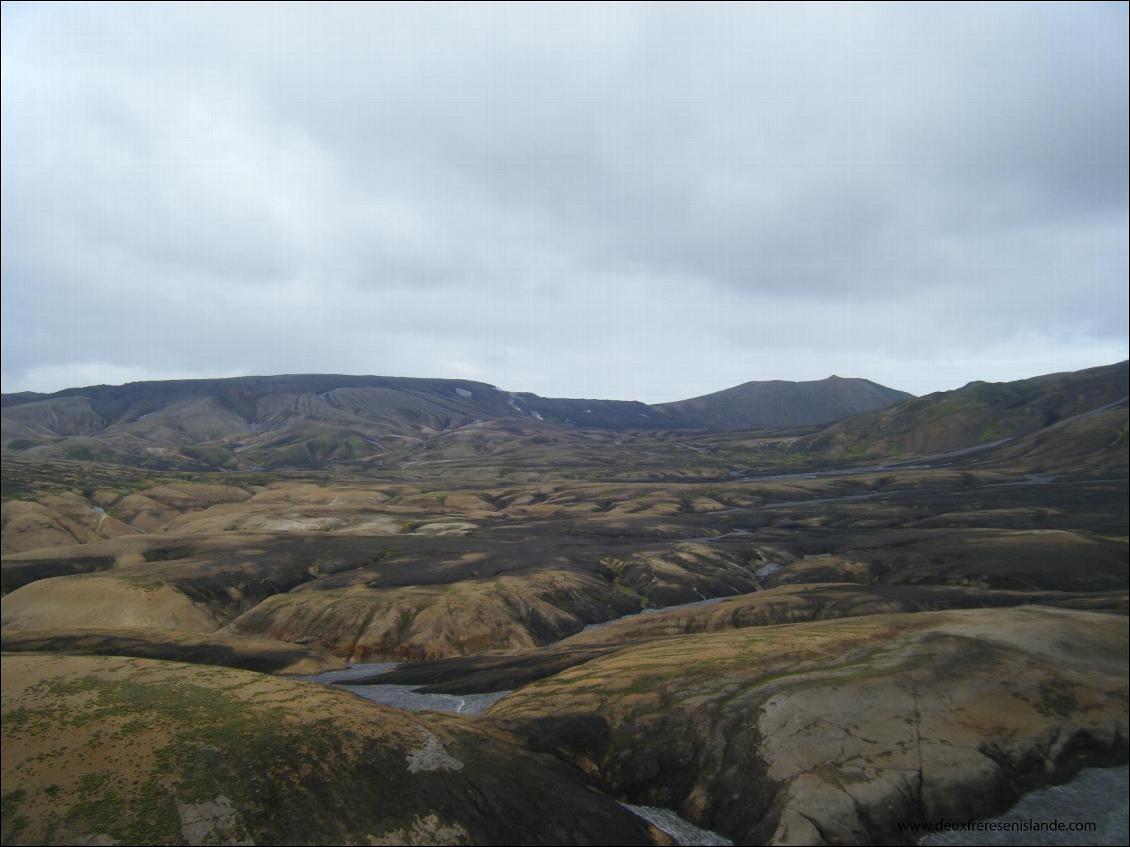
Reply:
x=833 y=732
x=1096 y=797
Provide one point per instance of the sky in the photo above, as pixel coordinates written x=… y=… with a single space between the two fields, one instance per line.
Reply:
x=645 y=202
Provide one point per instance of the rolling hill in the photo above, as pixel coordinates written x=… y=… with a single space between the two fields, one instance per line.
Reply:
x=312 y=420
x=980 y=414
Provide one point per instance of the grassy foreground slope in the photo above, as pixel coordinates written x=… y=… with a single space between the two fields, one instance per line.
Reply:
x=116 y=750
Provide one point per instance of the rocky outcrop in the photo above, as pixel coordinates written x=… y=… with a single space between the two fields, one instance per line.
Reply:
x=834 y=732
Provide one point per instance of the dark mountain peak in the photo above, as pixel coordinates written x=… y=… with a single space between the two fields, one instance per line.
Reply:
x=775 y=404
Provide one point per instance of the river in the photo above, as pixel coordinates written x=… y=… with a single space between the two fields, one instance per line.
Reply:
x=1096 y=796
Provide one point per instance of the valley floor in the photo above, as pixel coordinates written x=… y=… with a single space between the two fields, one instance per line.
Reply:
x=778 y=655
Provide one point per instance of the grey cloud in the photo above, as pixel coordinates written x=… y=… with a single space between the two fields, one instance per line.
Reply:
x=653 y=199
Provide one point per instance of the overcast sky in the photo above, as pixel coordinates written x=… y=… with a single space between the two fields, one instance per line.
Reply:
x=629 y=201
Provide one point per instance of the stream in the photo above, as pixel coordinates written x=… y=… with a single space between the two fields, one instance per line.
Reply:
x=1096 y=796
x=680 y=829
x=918 y=464
x=403 y=696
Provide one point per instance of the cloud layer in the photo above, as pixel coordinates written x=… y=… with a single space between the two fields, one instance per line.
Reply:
x=630 y=201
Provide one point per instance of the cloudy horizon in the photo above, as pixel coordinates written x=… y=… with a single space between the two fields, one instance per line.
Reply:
x=625 y=201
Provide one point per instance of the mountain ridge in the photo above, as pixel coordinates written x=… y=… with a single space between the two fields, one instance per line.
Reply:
x=310 y=419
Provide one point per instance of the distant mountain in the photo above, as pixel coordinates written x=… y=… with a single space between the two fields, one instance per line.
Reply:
x=295 y=420
x=309 y=420
x=980 y=413
x=778 y=404
x=305 y=421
